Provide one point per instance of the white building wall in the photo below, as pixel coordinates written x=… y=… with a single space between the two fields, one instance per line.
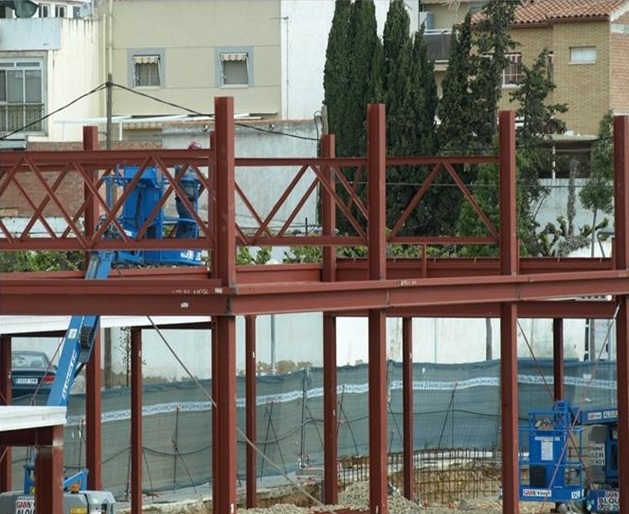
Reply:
x=305 y=28
x=73 y=70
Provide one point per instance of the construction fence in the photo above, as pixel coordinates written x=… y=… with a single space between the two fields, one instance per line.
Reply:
x=456 y=415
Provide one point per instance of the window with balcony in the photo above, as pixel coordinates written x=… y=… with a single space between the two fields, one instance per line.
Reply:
x=512 y=74
x=147 y=71
x=21 y=95
x=438 y=44
x=582 y=54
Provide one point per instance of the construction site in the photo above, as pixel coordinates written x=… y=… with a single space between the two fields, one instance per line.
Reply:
x=507 y=435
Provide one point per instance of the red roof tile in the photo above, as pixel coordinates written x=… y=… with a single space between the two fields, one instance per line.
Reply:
x=539 y=11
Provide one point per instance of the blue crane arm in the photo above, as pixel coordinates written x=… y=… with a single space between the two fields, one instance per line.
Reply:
x=75 y=353
x=80 y=336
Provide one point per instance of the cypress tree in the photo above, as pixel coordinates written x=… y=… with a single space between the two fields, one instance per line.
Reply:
x=363 y=46
x=336 y=71
x=456 y=109
x=493 y=42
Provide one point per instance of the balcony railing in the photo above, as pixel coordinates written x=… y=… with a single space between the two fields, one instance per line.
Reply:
x=438 y=44
x=17 y=116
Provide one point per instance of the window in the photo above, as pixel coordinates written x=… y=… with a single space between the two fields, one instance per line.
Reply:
x=235 y=69
x=44 y=10
x=21 y=95
x=76 y=12
x=582 y=54
x=146 y=71
x=550 y=62
x=60 y=11
x=512 y=74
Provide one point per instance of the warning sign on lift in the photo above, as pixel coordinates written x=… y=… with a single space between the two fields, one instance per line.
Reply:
x=25 y=505
x=597 y=454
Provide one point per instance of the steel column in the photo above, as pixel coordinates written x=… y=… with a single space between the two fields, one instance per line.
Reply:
x=136 y=420
x=93 y=418
x=251 y=376
x=330 y=414
x=376 y=164
x=407 y=401
x=49 y=473
x=215 y=388
x=622 y=350
x=621 y=255
x=6 y=455
x=225 y=435
x=93 y=409
x=508 y=315
x=558 y=358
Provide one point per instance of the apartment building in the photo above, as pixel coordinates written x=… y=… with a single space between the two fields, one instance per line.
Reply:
x=588 y=43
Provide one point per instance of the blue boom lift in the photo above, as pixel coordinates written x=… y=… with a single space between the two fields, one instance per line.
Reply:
x=569 y=457
x=79 y=339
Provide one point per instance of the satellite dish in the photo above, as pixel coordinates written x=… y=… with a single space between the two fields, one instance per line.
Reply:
x=22 y=8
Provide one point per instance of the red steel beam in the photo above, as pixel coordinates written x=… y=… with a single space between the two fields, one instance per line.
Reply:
x=93 y=406
x=621 y=253
x=188 y=297
x=49 y=473
x=251 y=411
x=225 y=437
x=328 y=274
x=376 y=166
x=6 y=455
x=93 y=417
x=407 y=411
x=558 y=358
x=508 y=316
x=136 y=420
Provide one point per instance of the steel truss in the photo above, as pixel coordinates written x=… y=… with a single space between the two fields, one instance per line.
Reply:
x=375 y=286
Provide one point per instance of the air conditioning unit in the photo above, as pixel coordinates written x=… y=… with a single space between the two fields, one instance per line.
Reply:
x=427 y=19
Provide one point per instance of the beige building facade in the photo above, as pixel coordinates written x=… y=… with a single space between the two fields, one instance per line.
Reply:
x=189 y=51
x=589 y=65
x=588 y=41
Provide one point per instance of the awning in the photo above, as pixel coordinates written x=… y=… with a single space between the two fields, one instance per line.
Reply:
x=240 y=56
x=146 y=59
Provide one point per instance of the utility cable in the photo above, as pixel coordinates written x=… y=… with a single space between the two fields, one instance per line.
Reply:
x=45 y=117
x=198 y=113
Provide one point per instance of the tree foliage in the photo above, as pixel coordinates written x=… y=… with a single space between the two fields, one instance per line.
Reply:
x=41 y=261
x=336 y=71
x=493 y=43
x=597 y=193
x=457 y=109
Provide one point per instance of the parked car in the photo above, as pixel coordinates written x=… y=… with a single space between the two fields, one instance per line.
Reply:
x=31 y=372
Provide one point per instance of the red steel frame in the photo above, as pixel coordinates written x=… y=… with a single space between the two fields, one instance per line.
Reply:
x=375 y=287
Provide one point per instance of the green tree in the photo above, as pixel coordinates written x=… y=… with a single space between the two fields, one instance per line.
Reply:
x=352 y=79
x=493 y=43
x=336 y=70
x=598 y=192
x=457 y=110
x=365 y=49
x=41 y=261
x=539 y=123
